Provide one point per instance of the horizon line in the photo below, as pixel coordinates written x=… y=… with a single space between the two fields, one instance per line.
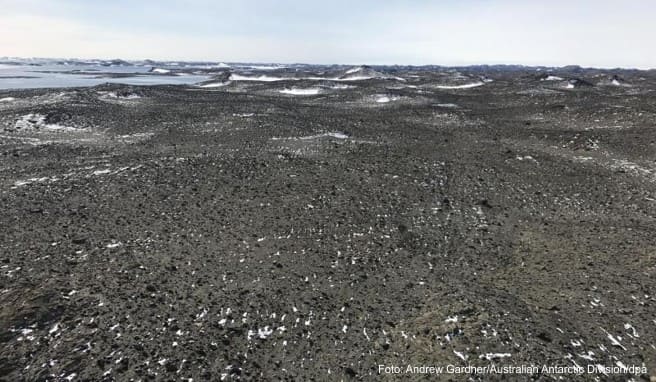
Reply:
x=463 y=65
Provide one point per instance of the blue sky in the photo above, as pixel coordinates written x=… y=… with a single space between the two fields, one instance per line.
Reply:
x=601 y=33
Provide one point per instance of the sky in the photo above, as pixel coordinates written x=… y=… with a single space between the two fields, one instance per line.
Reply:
x=599 y=33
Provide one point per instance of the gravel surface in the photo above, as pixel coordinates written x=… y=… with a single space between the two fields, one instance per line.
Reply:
x=314 y=229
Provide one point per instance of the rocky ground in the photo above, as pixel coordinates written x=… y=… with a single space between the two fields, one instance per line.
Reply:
x=313 y=229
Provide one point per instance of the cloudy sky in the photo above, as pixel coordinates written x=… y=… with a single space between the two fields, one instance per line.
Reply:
x=603 y=33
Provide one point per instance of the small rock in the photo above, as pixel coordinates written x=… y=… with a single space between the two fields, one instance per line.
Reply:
x=79 y=240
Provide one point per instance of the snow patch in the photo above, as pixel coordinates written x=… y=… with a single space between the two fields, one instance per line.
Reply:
x=337 y=135
x=262 y=78
x=526 y=158
x=463 y=86
x=332 y=135
x=54 y=329
x=38 y=121
x=634 y=332
x=492 y=356
x=341 y=86
x=214 y=84
x=121 y=96
x=386 y=99
x=614 y=341
x=262 y=333
x=297 y=91
x=354 y=78
x=460 y=355
x=265 y=67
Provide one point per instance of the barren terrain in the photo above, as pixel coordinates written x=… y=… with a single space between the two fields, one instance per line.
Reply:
x=288 y=225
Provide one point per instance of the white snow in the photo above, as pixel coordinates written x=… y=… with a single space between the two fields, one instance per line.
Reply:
x=54 y=328
x=297 y=91
x=114 y=245
x=26 y=331
x=337 y=135
x=161 y=71
x=464 y=86
x=570 y=86
x=614 y=341
x=386 y=99
x=265 y=78
x=552 y=78
x=20 y=183
x=215 y=84
x=332 y=135
x=341 y=86
x=615 y=82
x=262 y=78
x=265 y=332
x=526 y=158
x=7 y=99
x=491 y=356
x=354 y=70
x=356 y=78
x=115 y=95
x=589 y=356
x=30 y=121
x=634 y=332
x=265 y=67
x=460 y=355
x=448 y=105
x=59 y=127
x=338 y=79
